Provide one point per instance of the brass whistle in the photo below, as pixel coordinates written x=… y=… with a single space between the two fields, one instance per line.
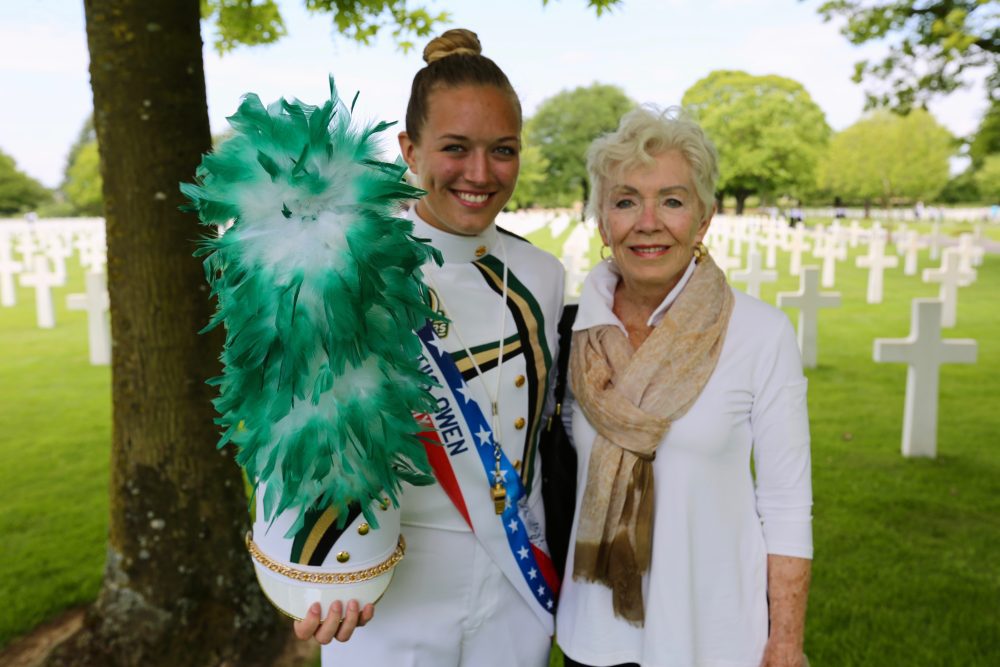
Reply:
x=499 y=498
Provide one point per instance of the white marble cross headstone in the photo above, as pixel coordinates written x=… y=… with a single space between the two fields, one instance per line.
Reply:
x=772 y=241
x=924 y=352
x=722 y=258
x=876 y=261
x=854 y=233
x=95 y=302
x=934 y=240
x=971 y=254
x=8 y=269
x=26 y=245
x=951 y=275
x=830 y=251
x=753 y=275
x=796 y=246
x=58 y=249
x=575 y=259
x=911 y=246
x=808 y=300
x=94 y=252
x=902 y=230
x=818 y=235
x=43 y=281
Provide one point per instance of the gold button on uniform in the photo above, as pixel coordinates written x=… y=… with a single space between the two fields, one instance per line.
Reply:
x=343 y=557
x=480 y=251
x=363 y=529
x=519 y=423
x=519 y=381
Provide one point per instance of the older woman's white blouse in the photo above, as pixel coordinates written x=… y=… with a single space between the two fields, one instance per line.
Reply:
x=717 y=513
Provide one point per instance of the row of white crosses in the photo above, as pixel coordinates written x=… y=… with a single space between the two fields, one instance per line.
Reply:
x=924 y=350
x=44 y=249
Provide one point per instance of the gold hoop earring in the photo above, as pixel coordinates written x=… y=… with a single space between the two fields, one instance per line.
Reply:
x=700 y=252
x=603 y=248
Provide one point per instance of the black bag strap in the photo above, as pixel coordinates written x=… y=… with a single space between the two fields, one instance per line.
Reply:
x=562 y=365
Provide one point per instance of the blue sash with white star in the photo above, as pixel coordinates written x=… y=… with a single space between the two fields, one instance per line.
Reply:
x=525 y=551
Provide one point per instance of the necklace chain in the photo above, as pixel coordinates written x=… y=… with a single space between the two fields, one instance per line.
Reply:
x=499 y=488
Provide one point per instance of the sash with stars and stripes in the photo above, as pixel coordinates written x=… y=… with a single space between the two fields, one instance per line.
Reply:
x=515 y=539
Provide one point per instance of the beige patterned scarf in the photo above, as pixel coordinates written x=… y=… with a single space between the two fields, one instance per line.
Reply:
x=631 y=397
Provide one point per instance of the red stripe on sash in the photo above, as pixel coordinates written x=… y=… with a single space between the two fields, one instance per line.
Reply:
x=441 y=466
x=548 y=569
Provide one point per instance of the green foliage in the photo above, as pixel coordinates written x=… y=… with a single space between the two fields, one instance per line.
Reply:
x=83 y=182
x=987 y=138
x=563 y=128
x=246 y=22
x=18 y=191
x=961 y=189
x=534 y=168
x=886 y=157
x=931 y=45
x=253 y=22
x=988 y=178
x=769 y=132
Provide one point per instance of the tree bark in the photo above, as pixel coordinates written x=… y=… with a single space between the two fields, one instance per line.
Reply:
x=179 y=588
x=741 y=200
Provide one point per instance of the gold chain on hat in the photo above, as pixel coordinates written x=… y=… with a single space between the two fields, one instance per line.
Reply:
x=326 y=577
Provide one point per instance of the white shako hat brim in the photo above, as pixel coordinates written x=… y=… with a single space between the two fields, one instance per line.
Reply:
x=323 y=563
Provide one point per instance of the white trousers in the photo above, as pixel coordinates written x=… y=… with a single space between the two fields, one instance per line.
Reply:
x=448 y=606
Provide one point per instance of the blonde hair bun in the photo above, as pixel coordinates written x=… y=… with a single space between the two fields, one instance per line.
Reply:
x=455 y=42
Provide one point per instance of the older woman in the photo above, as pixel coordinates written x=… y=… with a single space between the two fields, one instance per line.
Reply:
x=678 y=379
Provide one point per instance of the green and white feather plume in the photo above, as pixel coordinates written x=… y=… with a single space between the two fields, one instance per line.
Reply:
x=320 y=291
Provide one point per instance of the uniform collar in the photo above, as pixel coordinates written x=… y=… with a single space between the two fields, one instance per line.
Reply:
x=455 y=248
x=597 y=298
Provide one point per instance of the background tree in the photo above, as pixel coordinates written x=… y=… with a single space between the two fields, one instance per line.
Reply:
x=534 y=170
x=178 y=586
x=961 y=189
x=18 y=191
x=986 y=140
x=82 y=184
x=885 y=157
x=933 y=45
x=988 y=179
x=767 y=129
x=563 y=127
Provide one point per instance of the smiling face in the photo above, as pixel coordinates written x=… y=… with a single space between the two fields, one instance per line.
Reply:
x=467 y=157
x=652 y=219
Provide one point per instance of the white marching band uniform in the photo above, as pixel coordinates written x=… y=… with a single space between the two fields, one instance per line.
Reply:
x=476 y=587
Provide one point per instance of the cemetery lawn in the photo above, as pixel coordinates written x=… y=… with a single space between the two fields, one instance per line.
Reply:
x=906 y=569
x=55 y=432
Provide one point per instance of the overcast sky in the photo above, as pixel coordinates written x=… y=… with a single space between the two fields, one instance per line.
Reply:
x=653 y=49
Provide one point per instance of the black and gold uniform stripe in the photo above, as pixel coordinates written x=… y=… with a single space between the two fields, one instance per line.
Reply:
x=530 y=322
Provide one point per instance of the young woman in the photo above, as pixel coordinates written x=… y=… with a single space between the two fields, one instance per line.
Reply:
x=476 y=586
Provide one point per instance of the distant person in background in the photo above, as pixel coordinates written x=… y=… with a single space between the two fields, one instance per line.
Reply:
x=795 y=215
x=918 y=210
x=680 y=379
x=839 y=212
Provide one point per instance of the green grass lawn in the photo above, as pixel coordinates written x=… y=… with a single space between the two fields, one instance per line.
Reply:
x=906 y=569
x=55 y=430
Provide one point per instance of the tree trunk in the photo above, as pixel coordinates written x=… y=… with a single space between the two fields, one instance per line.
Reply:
x=719 y=207
x=741 y=200
x=178 y=588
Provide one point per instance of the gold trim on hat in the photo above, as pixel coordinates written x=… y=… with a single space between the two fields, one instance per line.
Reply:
x=326 y=577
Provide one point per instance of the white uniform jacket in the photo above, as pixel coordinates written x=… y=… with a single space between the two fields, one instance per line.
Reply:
x=467 y=290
